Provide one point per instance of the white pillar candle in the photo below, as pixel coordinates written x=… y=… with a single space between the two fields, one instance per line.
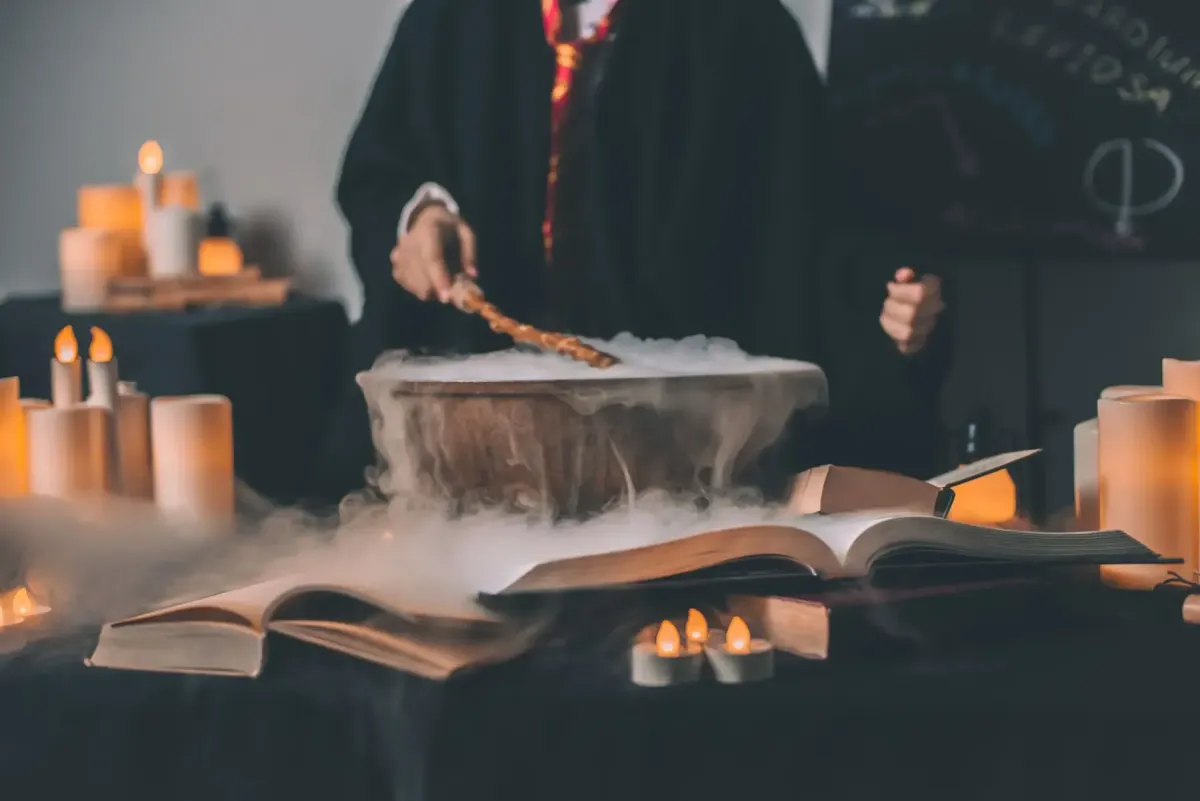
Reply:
x=102 y=393
x=14 y=474
x=191 y=441
x=68 y=452
x=66 y=374
x=172 y=242
x=1149 y=484
x=133 y=430
x=90 y=258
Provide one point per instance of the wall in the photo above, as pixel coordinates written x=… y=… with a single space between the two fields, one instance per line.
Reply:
x=259 y=95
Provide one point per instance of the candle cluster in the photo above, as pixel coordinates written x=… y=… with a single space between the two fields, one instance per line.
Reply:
x=148 y=228
x=1137 y=469
x=733 y=655
x=176 y=451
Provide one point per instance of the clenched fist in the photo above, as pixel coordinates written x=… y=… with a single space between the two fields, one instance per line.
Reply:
x=911 y=310
x=419 y=260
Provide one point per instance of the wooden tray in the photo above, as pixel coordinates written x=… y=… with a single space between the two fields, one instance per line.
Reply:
x=247 y=288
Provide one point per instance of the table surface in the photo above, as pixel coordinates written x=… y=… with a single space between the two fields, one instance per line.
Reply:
x=281 y=367
x=1088 y=715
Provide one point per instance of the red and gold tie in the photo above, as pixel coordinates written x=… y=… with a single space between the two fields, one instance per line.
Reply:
x=567 y=56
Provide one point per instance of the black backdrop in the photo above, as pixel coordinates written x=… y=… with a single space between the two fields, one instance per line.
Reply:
x=1061 y=127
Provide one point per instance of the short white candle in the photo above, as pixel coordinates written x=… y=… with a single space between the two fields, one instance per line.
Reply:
x=68 y=452
x=191 y=440
x=66 y=373
x=133 y=431
x=172 y=242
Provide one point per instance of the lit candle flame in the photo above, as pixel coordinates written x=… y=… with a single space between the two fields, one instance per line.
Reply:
x=101 y=348
x=697 y=627
x=22 y=603
x=667 y=641
x=66 y=347
x=737 y=637
x=150 y=158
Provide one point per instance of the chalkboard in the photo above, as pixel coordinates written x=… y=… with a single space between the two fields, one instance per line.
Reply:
x=1065 y=126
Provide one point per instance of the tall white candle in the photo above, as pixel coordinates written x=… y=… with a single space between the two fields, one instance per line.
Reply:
x=102 y=393
x=191 y=440
x=172 y=242
x=149 y=179
x=68 y=452
x=66 y=374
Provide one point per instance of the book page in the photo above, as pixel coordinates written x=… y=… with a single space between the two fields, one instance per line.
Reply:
x=250 y=604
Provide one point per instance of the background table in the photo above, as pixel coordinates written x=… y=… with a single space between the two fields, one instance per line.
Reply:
x=1093 y=715
x=280 y=366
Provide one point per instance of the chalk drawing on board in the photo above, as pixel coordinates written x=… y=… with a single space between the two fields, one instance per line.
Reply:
x=891 y=9
x=1124 y=206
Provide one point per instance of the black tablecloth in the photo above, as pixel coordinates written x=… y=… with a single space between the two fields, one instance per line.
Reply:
x=280 y=366
x=1096 y=714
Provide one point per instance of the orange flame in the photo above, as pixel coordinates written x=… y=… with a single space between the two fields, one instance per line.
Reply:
x=66 y=347
x=697 y=627
x=667 y=641
x=22 y=603
x=101 y=349
x=737 y=637
x=150 y=158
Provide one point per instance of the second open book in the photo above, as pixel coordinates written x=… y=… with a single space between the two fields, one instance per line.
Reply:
x=414 y=603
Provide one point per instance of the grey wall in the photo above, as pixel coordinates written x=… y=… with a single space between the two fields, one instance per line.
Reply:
x=258 y=95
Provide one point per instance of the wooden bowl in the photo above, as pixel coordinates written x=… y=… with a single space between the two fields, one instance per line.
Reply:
x=576 y=447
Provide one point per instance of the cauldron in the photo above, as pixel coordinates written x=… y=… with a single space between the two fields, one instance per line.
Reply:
x=576 y=446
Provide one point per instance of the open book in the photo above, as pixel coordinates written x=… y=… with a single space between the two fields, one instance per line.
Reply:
x=844 y=546
x=226 y=634
x=832 y=489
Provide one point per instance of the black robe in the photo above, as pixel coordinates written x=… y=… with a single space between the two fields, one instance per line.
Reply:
x=713 y=207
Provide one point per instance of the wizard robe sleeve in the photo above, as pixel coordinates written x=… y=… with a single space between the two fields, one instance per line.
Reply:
x=389 y=157
x=750 y=237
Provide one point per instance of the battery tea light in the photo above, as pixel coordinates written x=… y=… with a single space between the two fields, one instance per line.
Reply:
x=737 y=658
x=667 y=661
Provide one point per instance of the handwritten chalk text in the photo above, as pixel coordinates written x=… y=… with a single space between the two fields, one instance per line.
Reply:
x=1137 y=34
x=1076 y=57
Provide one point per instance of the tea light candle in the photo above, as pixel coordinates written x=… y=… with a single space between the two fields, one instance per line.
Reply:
x=667 y=661
x=66 y=376
x=736 y=658
x=133 y=432
x=102 y=392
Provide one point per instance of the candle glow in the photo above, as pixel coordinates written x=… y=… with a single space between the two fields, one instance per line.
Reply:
x=150 y=158
x=737 y=637
x=697 y=627
x=101 y=348
x=66 y=347
x=667 y=641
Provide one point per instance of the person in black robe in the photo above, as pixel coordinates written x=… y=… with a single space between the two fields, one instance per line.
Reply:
x=663 y=171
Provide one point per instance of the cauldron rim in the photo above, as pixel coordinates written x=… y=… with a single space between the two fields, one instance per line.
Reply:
x=796 y=371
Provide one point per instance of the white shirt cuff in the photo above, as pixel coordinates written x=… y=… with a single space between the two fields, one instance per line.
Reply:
x=428 y=193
